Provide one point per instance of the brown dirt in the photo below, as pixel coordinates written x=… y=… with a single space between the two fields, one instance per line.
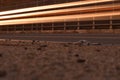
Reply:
x=58 y=61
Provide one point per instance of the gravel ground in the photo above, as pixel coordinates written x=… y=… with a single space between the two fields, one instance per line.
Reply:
x=58 y=61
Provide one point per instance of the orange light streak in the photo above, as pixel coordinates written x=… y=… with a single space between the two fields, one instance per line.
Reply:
x=57 y=11
x=53 y=6
x=57 y=18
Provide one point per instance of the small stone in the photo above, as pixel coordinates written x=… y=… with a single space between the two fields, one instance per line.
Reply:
x=98 y=50
x=118 y=68
x=43 y=46
x=66 y=45
x=81 y=60
x=83 y=43
x=33 y=41
x=25 y=48
x=3 y=73
x=76 y=55
x=39 y=48
x=1 y=55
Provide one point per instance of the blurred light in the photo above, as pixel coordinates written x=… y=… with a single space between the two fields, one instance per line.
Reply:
x=40 y=13
x=52 y=6
x=57 y=18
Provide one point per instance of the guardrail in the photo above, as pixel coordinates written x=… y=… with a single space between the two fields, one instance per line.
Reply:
x=34 y=18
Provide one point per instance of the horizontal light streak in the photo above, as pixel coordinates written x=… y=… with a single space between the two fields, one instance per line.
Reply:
x=57 y=18
x=53 y=6
x=59 y=11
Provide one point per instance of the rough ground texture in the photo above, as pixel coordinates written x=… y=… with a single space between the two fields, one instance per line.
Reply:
x=58 y=61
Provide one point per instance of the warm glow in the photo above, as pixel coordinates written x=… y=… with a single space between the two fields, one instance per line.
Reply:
x=53 y=6
x=59 y=11
x=57 y=18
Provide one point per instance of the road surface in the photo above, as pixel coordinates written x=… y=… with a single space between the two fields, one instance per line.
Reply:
x=93 y=38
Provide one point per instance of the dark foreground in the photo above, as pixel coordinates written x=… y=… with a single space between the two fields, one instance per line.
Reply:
x=58 y=61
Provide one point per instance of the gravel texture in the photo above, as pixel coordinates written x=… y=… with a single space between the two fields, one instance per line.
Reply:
x=36 y=60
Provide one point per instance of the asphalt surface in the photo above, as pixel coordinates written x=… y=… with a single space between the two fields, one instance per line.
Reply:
x=93 y=38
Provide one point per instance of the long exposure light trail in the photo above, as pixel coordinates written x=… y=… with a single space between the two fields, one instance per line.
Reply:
x=79 y=9
x=57 y=18
x=53 y=6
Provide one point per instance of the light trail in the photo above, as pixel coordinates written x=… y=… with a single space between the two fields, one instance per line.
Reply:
x=62 y=11
x=57 y=18
x=53 y=6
